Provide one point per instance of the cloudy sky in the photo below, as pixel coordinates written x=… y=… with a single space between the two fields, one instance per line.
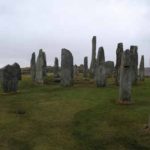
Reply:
x=28 y=25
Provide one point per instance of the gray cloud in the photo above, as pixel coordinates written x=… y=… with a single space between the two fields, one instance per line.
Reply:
x=28 y=25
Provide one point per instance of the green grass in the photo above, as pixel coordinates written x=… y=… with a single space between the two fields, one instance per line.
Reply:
x=83 y=117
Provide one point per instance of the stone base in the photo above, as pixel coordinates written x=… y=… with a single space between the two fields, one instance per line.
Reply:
x=125 y=102
x=10 y=93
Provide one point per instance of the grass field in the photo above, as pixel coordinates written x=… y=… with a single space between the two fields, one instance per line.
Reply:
x=83 y=117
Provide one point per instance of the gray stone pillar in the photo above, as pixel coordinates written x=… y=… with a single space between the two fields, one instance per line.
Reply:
x=119 y=52
x=141 y=69
x=33 y=66
x=66 y=68
x=56 y=68
x=85 y=67
x=100 y=74
x=93 y=58
x=41 y=67
x=134 y=64
x=125 y=78
x=100 y=56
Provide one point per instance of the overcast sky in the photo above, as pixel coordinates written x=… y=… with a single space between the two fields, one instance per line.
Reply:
x=28 y=25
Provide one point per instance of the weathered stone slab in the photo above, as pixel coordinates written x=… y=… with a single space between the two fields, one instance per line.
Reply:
x=119 y=52
x=85 y=67
x=109 y=65
x=56 y=68
x=10 y=75
x=141 y=69
x=93 y=59
x=18 y=70
x=134 y=64
x=41 y=67
x=66 y=68
x=33 y=66
x=125 y=78
x=100 y=56
x=100 y=75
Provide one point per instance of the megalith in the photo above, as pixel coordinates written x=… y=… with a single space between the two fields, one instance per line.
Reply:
x=134 y=64
x=100 y=75
x=93 y=58
x=56 y=68
x=85 y=67
x=125 y=78
x=33 y=66
x=10 y=75
x=141 y=69
x=41 y=67
x=119 y=52
x=66 y=68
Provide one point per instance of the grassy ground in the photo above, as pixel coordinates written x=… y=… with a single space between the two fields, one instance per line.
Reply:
x=82 y=117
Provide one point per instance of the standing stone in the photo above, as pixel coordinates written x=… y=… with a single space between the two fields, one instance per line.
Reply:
x=75 y=70
x=85 y=68
x=141 y=69
x=100 y=74
x=10 y=76
x=33 y=66
x=109 y=65
x=66 y=68
x=125 y=78
x=134 y=64
x=56 y=68
x=45 y=65
x=40 y=67
x=93 y=60
x=119 y=52
x=18 y=70
x=100 y=56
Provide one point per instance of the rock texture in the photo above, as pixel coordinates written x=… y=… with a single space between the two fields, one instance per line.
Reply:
x=134 y=64
x=141 y=69
x=93 y=60
x=125 y=78
x=41 y=67
x=10 y=75
x=66 y=68
x=119 y=52
x=100 y=74
x=109 y=65
x=85 y=67
x=100 y=56
x=56 y=68
x=33 y=66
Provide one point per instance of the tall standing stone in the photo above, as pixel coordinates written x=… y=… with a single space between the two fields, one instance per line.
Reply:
x=40 y=67
x=93 y=59
x=100 y=74
x=125 y=78
x=119 y=52
x=134 y=64
x=66 y=68
x=33 y=66
x=56 y=68
x=141 y=69
x=85 y=67
x=45 y=65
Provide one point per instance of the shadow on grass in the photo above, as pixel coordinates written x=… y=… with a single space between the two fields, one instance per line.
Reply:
x=110 y=129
